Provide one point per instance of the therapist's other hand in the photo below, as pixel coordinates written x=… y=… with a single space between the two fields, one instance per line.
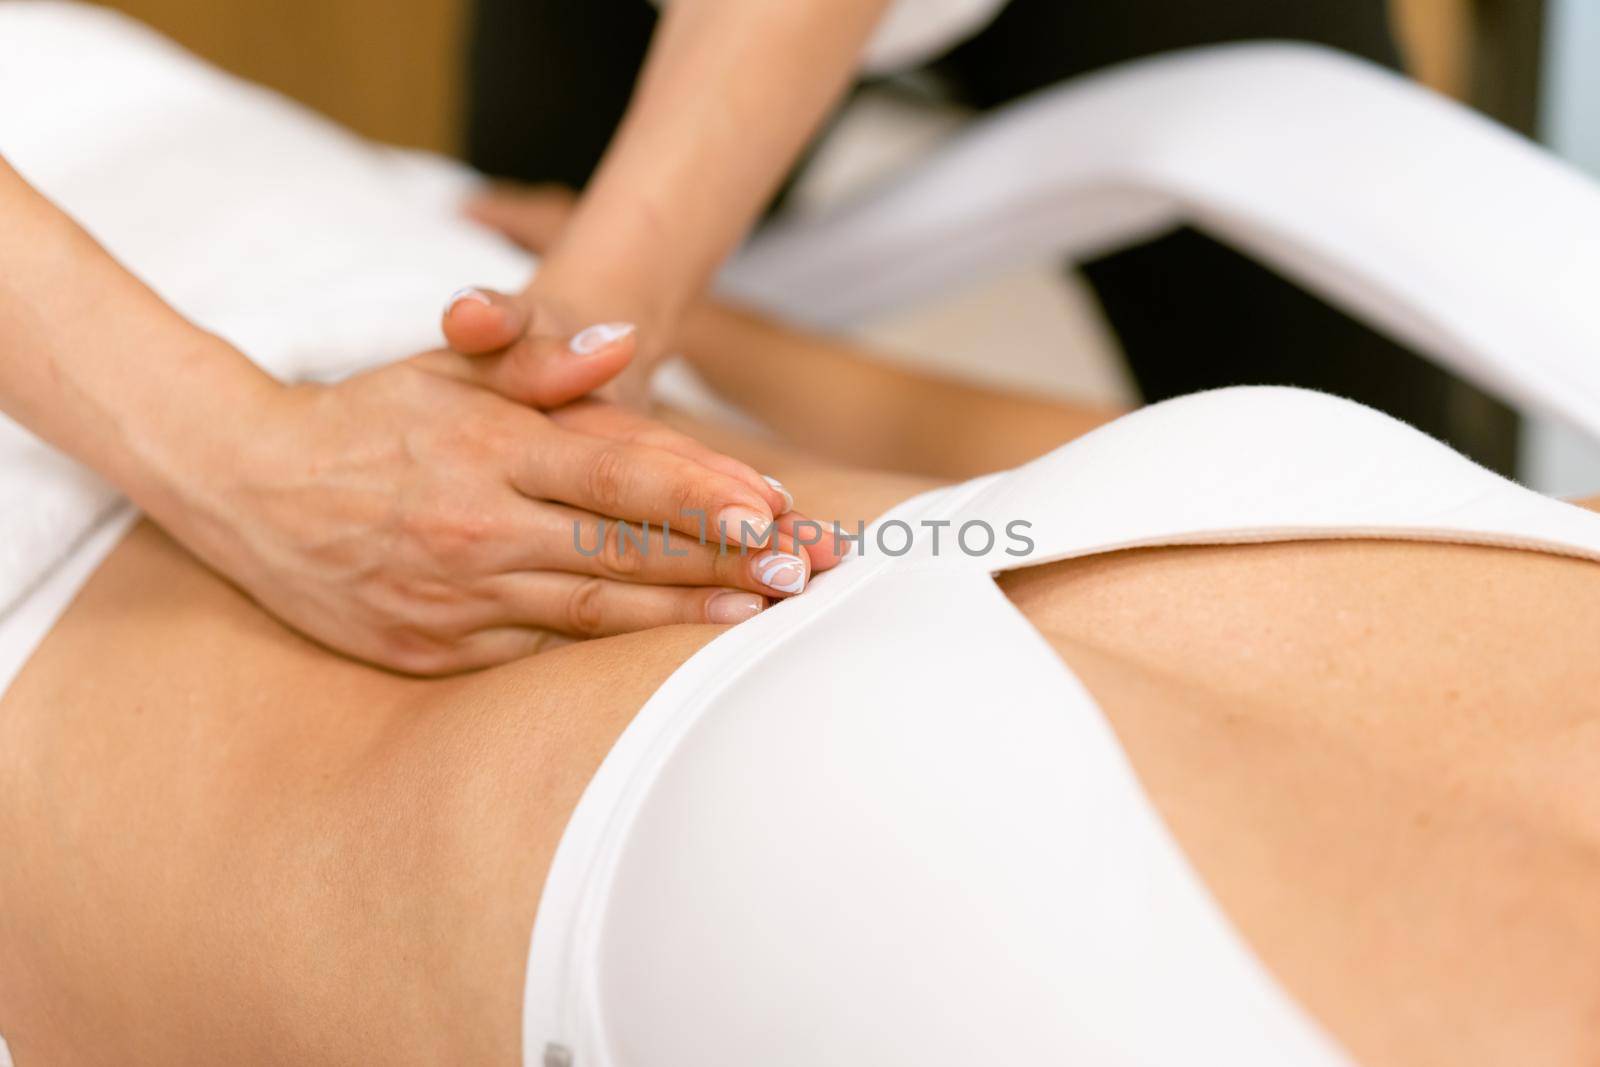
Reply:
x=535 y=351
x=534 y=217
x=497 y=326
x=414 y=518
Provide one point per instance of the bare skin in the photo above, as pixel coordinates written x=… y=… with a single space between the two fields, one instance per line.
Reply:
x=225 y=844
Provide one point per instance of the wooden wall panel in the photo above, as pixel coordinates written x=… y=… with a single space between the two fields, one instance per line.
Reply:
x=1436 y=36
x=390 y=69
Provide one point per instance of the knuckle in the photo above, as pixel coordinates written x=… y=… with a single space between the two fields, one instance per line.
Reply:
x=492 y=438
x=688 y=495
x=606 y=478
x=623 y=548
x=467 y=433
x=405 y=383
x=473 y=443
x=451 y=535
x=585 y=611
x=468 y=531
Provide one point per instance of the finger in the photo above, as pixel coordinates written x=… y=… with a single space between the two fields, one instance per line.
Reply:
x=565 y=539
x=534 y=216
x=542 y=372
x=641 y=484
x=816 y=539
x=596 y=607
x=479 y=321
x=623 y=424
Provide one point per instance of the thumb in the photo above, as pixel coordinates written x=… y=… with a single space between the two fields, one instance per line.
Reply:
x=481 y=320
x=546 y=372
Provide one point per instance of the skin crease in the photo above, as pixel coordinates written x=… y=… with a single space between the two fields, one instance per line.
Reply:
x=225 y=844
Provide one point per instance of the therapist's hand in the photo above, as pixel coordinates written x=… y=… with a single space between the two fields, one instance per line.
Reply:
x=534 y=217
x=415 y=518
x=519 y=341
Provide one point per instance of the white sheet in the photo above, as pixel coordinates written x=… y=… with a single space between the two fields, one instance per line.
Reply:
x=1432 y=223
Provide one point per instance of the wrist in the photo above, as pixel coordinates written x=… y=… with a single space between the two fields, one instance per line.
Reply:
x=181 y=460
x=592 y=293
x=615 y=262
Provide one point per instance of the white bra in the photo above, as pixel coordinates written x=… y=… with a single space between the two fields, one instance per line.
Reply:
x=884 y=823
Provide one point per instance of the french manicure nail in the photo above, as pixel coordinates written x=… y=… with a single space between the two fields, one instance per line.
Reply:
x=743 y=526
x=468 y=293
x=788 y=498
x=730 y=608
x=779 y=571
x=595 y=338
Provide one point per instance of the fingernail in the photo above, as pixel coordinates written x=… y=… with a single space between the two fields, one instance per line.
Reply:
x=468 y=293
x=743 y=526
x=595 y=338
x=788 y=498
x=780 y=572
x=730 y=608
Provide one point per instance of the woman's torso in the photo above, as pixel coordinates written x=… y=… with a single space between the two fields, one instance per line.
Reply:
x=1379 y=756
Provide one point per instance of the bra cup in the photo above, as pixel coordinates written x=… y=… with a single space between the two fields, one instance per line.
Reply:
x=931 y=854
x=884 y=823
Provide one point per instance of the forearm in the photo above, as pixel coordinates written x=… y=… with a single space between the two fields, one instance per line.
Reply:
x=732 y=91
x=96 y=364
x=841 y=403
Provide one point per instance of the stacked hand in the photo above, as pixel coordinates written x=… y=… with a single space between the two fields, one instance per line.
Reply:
x=447 y=512
x=429 y=517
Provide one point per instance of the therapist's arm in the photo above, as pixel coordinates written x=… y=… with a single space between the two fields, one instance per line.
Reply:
x=731 y=93
x=412 y=516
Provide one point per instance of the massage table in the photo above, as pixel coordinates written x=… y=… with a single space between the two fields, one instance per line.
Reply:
x=1413 y=214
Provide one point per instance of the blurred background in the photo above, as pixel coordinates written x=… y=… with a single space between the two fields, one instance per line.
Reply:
x=394 y=70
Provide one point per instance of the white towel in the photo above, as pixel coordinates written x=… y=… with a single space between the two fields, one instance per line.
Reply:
x=315 y=253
